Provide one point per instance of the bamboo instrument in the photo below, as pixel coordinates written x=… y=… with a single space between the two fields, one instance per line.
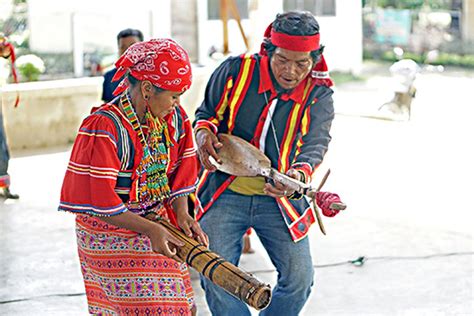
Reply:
x=240 y=158
x=222 y=273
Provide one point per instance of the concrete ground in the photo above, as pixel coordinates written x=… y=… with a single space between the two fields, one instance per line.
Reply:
x=407 y=185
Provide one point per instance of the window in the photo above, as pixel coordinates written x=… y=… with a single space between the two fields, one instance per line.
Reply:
x=213 y=9
x=317 y=7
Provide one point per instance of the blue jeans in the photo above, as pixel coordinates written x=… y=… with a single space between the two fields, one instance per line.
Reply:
x=226 y=222
x=4 y=154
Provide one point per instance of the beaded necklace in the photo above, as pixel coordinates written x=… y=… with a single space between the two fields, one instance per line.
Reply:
x=152 y=184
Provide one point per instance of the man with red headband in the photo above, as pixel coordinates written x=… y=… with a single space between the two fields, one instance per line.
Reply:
x=132 y=157
x=279 y=100
x=6 y=51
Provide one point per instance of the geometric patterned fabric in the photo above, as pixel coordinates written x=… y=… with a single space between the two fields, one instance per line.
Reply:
x=123 y=276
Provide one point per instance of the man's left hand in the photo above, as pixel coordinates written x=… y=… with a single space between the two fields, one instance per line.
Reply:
x=279 y=190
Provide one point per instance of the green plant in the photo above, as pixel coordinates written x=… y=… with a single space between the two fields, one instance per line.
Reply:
x=30 y=67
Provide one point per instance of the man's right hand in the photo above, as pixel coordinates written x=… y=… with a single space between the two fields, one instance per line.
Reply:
x=207 y=144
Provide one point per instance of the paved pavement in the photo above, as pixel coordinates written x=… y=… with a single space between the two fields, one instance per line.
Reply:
x=407 y=185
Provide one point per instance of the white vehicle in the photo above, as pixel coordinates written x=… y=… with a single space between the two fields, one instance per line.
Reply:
x=404 y=73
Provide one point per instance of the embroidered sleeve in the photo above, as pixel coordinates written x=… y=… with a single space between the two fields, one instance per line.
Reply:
x=316 y=125
x=211 y=112
x=92 y=171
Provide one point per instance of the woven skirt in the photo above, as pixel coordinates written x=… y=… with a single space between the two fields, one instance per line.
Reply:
x=123 y=276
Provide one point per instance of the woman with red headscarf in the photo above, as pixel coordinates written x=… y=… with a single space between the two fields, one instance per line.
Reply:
x=132 y=157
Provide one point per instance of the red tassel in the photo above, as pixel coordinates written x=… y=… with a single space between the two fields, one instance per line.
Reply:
x=14 y=73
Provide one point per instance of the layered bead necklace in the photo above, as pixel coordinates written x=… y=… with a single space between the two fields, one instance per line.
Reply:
x=152 y=185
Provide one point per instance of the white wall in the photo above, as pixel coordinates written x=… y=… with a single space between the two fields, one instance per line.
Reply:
x=99 y=21
x=342 y=34
x=6 y=7
x=261 y=13
x=50 y=112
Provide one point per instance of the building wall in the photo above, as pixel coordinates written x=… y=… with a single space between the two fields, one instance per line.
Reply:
x=96 y=22
x=184 y=26
x=50 y=112
x=341 y=34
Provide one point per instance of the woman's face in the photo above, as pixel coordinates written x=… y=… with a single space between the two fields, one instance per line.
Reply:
x=163 y=103
x=290 y=67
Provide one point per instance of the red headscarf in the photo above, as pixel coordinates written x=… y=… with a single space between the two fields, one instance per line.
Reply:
x=299 y=43
x=161 y=61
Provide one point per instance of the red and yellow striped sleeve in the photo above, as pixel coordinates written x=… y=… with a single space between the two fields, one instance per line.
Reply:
x=91 y=175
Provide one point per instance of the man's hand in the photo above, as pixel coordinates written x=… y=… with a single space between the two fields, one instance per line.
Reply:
x=279 y=190
x=207 y=144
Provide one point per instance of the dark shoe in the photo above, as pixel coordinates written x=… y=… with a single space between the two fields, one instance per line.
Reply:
x=8 y=195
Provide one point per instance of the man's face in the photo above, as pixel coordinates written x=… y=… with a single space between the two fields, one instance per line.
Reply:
x=290 y=67
x=126 y=42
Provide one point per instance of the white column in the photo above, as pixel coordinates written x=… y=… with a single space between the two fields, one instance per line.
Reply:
x=467 y=26
x=77 y=45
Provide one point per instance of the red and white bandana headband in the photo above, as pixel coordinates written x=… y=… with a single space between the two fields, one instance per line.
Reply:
x=300 y=43
x=161 y=61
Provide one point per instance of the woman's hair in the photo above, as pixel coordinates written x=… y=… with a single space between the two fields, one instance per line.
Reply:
x=134 y=81
x=295 y=23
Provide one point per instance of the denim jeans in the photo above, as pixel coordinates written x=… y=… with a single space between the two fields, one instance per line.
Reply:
x=4 y=154
x=226 y=222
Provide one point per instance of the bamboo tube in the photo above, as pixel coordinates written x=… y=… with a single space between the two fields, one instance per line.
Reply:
x=222 y=273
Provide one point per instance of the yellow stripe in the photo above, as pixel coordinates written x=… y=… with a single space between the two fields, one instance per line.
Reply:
x=304 y=130
x=93 y=134
x=203 y=176
x=220 y=113
x=238 y=91
x=93 y=171
x=286 y=146
x=291 y=130
x=289 y=208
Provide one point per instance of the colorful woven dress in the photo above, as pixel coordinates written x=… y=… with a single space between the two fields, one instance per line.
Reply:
x=119 y=165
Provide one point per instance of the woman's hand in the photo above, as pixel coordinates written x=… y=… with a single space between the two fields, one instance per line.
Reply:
x=191 y=227
x=207 y=144
x=162 y=241
x=279 y=190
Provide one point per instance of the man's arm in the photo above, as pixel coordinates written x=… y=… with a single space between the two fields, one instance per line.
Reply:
x=210 y=113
